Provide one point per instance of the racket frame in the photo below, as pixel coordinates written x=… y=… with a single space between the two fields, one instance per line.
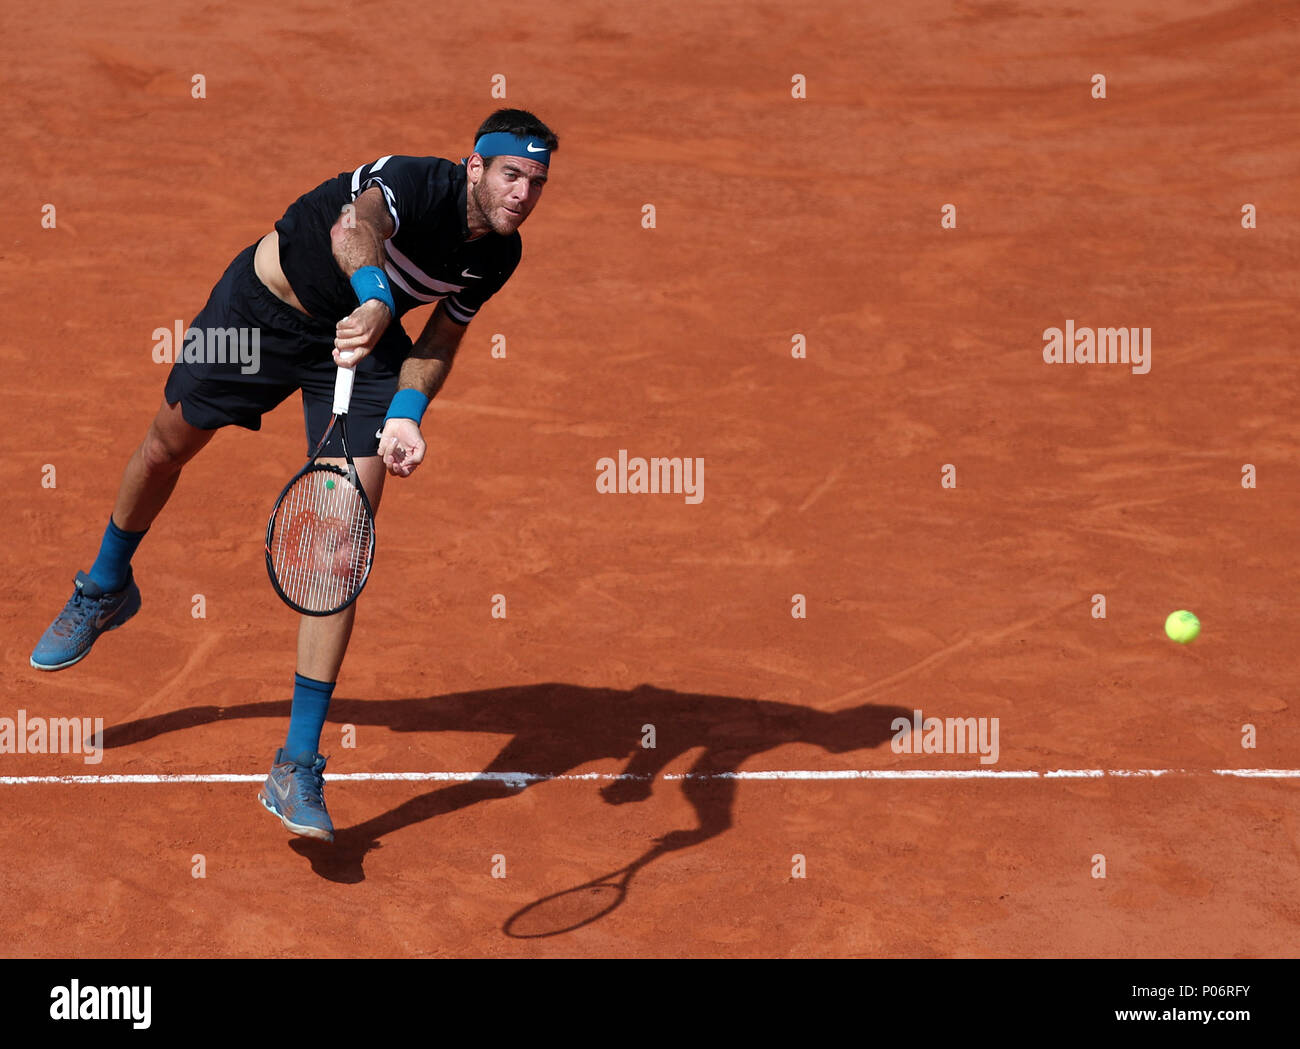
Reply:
x=342 y=398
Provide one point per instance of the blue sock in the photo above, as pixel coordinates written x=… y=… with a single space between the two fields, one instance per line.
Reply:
x=311 y=702
x=114 y=561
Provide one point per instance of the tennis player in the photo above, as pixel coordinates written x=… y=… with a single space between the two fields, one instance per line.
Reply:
x=337 y=273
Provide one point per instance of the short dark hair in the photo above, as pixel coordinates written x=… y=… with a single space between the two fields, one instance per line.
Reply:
x=517 y=122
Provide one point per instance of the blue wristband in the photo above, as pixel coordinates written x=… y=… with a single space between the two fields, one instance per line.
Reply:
x=407 y=404
x=370 y=282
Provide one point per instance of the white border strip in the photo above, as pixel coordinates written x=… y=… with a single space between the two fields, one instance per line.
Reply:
x=524 y=778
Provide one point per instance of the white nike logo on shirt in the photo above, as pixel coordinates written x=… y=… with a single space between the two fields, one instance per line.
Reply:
x=471 y=276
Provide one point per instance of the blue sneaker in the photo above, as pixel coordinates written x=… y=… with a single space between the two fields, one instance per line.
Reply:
x=294 y=791
x=89 y=612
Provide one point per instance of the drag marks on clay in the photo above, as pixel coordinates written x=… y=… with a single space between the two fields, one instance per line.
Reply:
x=128 y=71
x=1256 y=19
x=823 y=486
x=199 y=654
x=985 y=638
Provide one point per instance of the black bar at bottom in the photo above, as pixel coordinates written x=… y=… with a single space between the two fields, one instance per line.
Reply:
x=638 y=1000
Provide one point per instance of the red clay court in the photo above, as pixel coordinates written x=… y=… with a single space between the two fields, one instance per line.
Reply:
x=775 y=216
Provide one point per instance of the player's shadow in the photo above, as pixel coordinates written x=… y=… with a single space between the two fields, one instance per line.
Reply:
x=555 y=728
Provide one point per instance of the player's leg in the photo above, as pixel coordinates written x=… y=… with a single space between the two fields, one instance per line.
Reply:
x=297 y=773
x=107 y=596
x=201 y=396
x=155 y=467
x=294 y=790
x=147 y=483
x=323 y=640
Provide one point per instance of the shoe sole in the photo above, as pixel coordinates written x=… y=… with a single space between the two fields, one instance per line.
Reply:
x=297 y=828
x=130 y=607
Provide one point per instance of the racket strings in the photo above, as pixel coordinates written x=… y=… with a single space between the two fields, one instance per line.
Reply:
x=321 y=541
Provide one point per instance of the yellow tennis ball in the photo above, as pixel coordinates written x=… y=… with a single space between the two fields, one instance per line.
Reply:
x=1182 y=627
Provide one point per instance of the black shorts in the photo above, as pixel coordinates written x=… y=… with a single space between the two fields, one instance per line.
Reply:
x=279 y=351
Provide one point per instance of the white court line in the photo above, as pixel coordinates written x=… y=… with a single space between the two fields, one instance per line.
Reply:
x=511 y=778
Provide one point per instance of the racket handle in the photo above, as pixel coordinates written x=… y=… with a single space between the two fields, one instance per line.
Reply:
x=343 y=385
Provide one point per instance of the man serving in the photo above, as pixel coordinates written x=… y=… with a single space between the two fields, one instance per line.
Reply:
x=366 y=247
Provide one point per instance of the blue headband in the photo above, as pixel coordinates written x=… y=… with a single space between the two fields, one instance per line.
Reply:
x=504 y=144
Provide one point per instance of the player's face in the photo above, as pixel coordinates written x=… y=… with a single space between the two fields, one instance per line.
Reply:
x=506 y=193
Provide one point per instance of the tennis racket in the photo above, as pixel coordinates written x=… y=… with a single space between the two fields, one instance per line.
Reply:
x=320 y=539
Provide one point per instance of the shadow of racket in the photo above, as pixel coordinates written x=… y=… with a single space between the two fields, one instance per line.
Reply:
x=571 y=909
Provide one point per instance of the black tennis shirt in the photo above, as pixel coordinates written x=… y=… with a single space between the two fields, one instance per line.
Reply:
x=429 y=255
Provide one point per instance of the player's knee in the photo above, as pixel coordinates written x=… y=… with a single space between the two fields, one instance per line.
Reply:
x=165 y=453
x=158 y=458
